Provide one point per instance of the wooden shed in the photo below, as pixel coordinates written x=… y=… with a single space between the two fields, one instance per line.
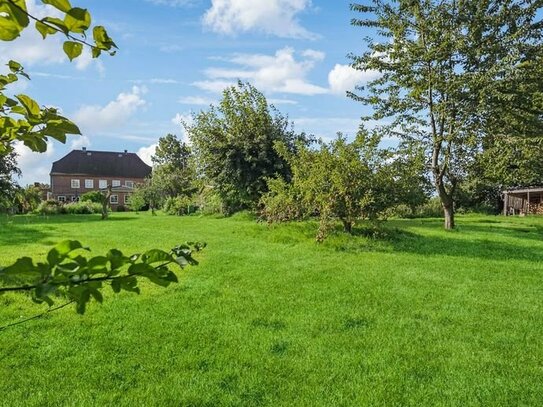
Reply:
x=527 y=201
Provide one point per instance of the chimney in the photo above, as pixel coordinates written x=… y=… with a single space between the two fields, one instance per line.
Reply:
x=84 y=148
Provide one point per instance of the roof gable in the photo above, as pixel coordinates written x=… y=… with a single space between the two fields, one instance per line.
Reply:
x=102 y=164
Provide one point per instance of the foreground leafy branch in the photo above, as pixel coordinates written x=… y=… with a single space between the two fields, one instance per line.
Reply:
x=67 y=273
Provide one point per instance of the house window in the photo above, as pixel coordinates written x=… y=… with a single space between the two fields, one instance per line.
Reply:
x=75 y=198
x=102 y=184
x=129 y=184
x=75 y=183
x=89 y=183
x=114 y=199
x=127 y=199
x=61 y=198
x=116 y=183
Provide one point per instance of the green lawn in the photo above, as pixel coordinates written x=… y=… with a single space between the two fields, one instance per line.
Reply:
x=271 y=318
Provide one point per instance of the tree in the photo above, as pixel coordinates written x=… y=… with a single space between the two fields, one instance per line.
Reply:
x=338 y=181
x=8 y=187
x=452 y=72
x=172 y=152
x=137 y=200
x=66 y=272
x=174 y=173
x=504 y=162
x=412 y=186
x=28 y=198
x=151 y=193
x=234 y=145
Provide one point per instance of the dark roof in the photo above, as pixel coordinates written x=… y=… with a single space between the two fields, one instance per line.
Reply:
x=102 y=164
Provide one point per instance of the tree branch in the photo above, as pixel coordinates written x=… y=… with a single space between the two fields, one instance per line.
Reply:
x=36 y=316
x=58 y=30
x=89 y=280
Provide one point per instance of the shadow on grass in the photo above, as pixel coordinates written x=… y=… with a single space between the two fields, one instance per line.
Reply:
x=14 y=235
x=16 y=230
x=470 y=240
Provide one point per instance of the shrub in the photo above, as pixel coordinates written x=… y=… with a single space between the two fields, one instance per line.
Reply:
x=401 y=211
x=49 y=207
x=281 y=203
x=121 y=208
x=179 y=205
x=83 y=208
x=92 y=196
x=209 y=202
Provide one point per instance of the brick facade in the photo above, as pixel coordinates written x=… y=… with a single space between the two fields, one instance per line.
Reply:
x=82 y=171
x=61 y=186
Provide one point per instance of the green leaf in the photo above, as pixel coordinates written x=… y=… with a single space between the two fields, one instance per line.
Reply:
x=72 y=49
x=155 y=256
x=96 y=52
x=14 y=66
x=13 y=19
x=35 y=143
x=62 y=5
x=30 y=105
x=117 y=259
x=77 y=20
x=44 y=29
x=9 y=30
x=62 y=250
x=102 y=40
x=57 y=22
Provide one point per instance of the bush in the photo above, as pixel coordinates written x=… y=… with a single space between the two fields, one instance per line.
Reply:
x=209 y=202
x=179 y=205
x=121 y=208
x=83 y=208
x=49 y=207
x=402 y=211
x=281 y=203
x=92 y=196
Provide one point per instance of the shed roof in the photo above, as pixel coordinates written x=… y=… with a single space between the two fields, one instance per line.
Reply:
x=102 y=164
x=523 y=190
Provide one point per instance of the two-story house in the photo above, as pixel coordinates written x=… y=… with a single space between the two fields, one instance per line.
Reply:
x=82 y=171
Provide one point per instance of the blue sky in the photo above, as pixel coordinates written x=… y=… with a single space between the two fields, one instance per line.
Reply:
x=175 y=56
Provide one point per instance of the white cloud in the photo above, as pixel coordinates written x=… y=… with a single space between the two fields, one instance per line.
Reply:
x=282 y=102
x=281 y=72
x=145 y=153
x=35 y=167
x=343 y=78
x=187 y=119
x=156 y=81
x=80 y=141
x=275 y=17
x=114 y=114
x=196 y=100
x=214 y=86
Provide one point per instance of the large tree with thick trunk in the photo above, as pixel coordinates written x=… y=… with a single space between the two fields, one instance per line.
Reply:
x=450 y=73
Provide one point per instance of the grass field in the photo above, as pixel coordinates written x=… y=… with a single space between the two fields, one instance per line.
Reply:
x=422 y=317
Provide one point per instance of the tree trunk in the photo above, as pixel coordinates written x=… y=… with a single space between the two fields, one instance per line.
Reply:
x=449 y=216
x=105 y=202
x=347 y=226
